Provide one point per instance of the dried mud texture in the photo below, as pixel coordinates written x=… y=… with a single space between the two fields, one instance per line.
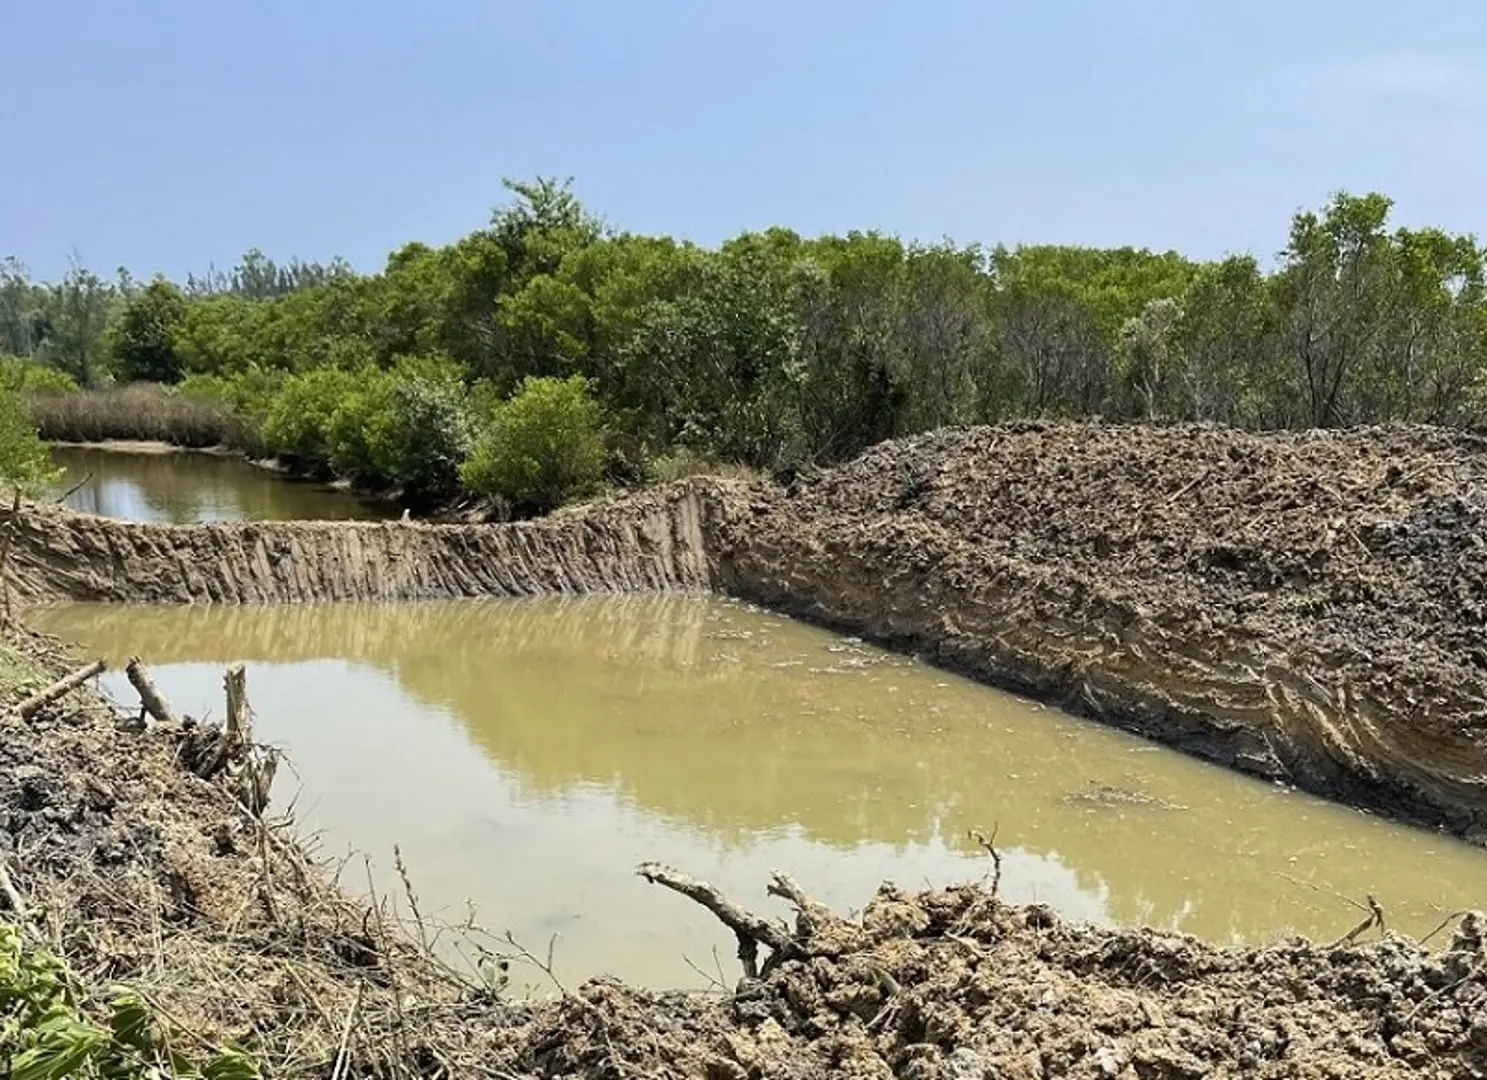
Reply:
x=1309 y=608
x=644 y=543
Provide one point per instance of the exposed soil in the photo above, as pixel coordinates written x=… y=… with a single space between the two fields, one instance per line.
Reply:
x=151 y=877
x=1310 y=608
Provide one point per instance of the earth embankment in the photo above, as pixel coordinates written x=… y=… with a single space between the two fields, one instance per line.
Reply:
x=644 y=543
x=1308 y=608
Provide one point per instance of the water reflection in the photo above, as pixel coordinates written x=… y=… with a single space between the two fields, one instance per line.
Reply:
x=188 y=487
x=528 y=753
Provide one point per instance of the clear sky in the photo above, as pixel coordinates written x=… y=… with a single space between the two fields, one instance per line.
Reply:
x=169 y=134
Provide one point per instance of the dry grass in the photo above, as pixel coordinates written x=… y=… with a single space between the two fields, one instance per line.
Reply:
x=142 y=412
x=139 y=873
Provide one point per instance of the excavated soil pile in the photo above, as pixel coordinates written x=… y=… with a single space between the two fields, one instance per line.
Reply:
x=951 y=986
x=1308 y=607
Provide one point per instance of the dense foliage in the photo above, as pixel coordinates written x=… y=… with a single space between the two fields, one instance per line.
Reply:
x=772 y=350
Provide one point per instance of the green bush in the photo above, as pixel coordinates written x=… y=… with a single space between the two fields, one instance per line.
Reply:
x=25 y=463
x=540 y=448
x=299 y=420
x=29 y=377
x=420 y=432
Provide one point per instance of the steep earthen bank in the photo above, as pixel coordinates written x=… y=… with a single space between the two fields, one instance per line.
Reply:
x=1307 y=608
x=645 y=543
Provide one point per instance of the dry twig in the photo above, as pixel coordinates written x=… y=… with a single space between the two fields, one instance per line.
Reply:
x=60 y=688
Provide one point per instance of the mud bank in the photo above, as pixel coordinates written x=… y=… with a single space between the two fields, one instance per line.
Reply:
x=1306 y=608
x=646 y=543
x=155 y=879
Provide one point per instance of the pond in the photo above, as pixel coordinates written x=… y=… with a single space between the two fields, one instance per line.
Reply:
x=526 y=755
x=162 y=484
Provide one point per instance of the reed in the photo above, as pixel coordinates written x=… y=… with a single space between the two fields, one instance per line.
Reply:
x=141 y=412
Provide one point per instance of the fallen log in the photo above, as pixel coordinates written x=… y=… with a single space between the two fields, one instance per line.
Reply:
x=153 y=701
x=62 y=686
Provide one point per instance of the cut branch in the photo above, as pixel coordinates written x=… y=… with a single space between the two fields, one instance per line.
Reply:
x=750 y=929
x=153 y=701
x=65 y=685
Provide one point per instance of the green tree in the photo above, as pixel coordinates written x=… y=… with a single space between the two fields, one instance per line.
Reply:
x=421 y=432
x=143 y=340
x=77 y=316
x=540 y=448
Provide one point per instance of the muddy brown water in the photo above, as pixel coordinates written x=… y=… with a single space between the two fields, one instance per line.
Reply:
x=174 y=487
x=525 y=755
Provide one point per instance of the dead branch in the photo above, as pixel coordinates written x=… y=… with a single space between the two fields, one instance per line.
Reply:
x=1447 y=921
x=238 y=729
x=342 y=1058
x=751 y=930
x=61 y=687
x=1375 y=918
x=811 y=913
x=153 y=701
x=989 y=844
x=12 y=523
x=12 y=895
x=73 y=490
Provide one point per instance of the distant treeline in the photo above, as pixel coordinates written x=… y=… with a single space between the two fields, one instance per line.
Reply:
x=773 y=350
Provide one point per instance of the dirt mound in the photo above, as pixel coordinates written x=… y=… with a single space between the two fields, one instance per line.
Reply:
x=953 y=986
x=1306 y=607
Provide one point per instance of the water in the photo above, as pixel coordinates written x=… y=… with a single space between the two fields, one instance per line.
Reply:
x=526 y=755
x=182 y=487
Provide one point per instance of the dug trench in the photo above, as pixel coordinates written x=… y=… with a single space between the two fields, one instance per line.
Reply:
x=1303 y=607
x=1306 y=608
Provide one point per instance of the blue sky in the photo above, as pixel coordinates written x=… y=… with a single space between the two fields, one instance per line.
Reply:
x=166 y=134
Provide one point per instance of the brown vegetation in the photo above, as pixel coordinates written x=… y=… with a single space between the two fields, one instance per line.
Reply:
x=143 y=413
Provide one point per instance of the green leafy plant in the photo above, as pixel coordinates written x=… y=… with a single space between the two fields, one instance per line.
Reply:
x=44 y=1034
x=25 y=463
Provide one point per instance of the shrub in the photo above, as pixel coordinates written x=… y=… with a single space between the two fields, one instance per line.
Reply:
x=25 y=463
x=29 y=377
x=421 y=432
x=298 y=421
x=540 y=448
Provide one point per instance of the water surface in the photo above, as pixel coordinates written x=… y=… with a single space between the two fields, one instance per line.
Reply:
x=527 y=754
x=182 y=486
